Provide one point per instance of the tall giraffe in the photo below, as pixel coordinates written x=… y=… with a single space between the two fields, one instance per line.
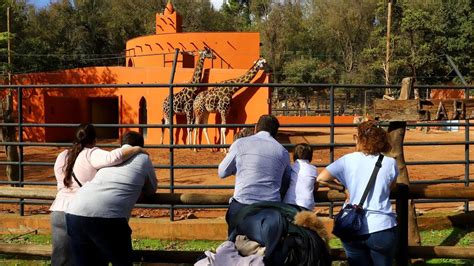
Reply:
x=183 y=100
x=219 y=100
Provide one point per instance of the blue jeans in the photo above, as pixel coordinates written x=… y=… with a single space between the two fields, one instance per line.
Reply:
x=97 y=241
x=62 y=249
x=232 y=211
x=377 y=249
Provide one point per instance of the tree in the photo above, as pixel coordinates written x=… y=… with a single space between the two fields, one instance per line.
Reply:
x=340 y=31
x=307 y=70
x=8 y=133
x=200 y=16
x=237 y=14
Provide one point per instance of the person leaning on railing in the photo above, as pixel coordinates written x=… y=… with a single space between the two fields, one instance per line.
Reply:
x=260 y=165
x=73 y=168
x=377 y=240
x=303 y=178
x=97 y=219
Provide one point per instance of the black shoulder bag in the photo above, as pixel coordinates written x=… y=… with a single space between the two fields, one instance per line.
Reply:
x=348 y=222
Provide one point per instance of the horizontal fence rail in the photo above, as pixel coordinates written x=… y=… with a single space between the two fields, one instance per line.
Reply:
x=19 y=90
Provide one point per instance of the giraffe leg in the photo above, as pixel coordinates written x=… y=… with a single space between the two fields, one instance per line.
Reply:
x=195 y=131
x=188 y=136
x=223 y=129
x=164 y=121
x=205 y=119
x=189 y=120
x=204 y=131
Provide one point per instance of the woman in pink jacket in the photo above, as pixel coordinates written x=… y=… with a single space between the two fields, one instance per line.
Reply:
x=73 y=168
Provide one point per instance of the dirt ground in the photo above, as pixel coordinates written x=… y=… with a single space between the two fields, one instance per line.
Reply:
x=190 y=177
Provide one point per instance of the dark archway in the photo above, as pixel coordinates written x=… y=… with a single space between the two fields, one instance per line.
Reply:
x=142 y=116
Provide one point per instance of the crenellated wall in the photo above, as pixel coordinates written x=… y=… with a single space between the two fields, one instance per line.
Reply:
x=149 y=60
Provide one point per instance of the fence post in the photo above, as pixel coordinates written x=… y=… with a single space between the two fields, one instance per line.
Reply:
x=402 y=215
x=331 y=122
x=466 y=151
x=171 y=113
x=20 y=147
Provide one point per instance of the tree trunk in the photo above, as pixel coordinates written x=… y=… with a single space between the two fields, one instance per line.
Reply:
x=396 y=133
x=8 y=134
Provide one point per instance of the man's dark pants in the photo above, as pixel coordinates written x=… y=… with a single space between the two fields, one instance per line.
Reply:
x=232 y=211
x=97 y=241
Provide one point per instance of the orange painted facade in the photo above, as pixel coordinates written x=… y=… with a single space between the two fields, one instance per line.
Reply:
x=148 y=60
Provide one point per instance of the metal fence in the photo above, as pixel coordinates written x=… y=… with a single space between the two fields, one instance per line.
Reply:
x=332 y=89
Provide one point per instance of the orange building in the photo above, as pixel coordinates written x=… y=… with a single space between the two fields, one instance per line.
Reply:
x=149 y=60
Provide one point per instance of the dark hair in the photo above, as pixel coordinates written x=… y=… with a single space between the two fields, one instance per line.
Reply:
x=133 y=138
x=268 y=123
x=85 y=136
x=245 y=132
x=372 y=138
x=303 y=152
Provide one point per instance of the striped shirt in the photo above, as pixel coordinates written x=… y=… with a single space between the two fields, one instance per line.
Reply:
x=259 y=164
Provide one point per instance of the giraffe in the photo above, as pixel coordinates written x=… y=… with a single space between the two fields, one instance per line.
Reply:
x=183 y=100
x=219 y=100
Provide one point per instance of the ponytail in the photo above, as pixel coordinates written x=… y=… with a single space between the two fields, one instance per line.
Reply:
x=85 y=136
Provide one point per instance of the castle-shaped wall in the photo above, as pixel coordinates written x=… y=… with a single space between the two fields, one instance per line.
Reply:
x=148 y=60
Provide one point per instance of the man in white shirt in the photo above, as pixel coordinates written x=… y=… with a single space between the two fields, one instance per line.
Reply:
x=97 y=218
x=260 y=165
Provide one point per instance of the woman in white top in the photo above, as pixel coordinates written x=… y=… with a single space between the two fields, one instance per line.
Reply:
x=377 y=241
x=303 y=178
x=82 y=161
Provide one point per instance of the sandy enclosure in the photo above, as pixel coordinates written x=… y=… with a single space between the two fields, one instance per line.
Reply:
x=321 y=156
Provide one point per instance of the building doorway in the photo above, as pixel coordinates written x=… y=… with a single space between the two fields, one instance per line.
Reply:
x=143 y=116
x=105 y=110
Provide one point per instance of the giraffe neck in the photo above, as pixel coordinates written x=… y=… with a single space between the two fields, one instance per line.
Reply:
x=197 y=75
x=198 y=69
x=245 y=78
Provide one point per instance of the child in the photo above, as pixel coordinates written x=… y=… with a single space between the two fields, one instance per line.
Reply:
x=303 y=178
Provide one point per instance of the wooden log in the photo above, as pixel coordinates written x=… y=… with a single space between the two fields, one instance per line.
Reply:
x=441 y=252
x=22 y=249
x=446 y=192
x=164 y=256
x=27 y=193
x=422 y=110
x=396 y=133
x=397 y=110
x=407 y=88
x=416 y=192
x=191 y=256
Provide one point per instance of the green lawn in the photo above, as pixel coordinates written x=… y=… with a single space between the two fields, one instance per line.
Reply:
x=448 y=237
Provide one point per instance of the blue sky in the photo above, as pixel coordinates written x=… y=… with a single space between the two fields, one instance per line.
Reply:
x=41 y=3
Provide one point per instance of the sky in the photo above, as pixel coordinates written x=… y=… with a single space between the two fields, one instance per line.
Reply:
x=41 y=3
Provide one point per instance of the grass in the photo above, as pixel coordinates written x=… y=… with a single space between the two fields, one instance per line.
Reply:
x=448 y=237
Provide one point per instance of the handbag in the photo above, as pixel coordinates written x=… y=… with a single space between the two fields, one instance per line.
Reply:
x=348 y=222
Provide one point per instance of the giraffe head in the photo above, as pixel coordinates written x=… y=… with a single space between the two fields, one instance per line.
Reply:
x=260 y=63
x=206 y=53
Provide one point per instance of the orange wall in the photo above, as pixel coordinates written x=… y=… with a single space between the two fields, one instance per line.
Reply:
x=248 y=105
x=314 y=119
x=234 y=50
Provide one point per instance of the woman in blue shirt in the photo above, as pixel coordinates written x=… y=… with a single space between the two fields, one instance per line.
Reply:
x=376 y=242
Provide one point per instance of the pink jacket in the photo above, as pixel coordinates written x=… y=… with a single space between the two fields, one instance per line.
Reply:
x=87 y=163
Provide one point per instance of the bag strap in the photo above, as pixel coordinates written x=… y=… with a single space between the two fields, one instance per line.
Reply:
x=371 y=183
x=75 y=178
